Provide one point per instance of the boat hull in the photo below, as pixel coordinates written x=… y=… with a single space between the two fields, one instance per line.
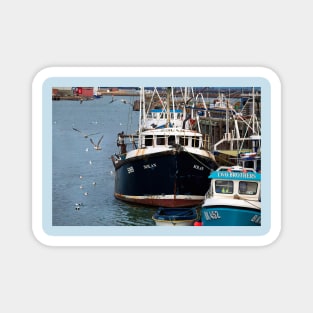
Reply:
x=230 y=216
x=175 y=217
x=166 y=179
x=174 y=223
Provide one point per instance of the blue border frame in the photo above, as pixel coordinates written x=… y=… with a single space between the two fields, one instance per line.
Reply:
x=160 y=82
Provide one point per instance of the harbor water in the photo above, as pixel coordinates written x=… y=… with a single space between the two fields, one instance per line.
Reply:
x=83 y=178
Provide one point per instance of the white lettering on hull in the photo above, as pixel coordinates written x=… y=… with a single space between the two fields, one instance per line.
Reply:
x=198 y=167
x=130 y=170
x=148 y=166
x=211 y=215
x=256 y=219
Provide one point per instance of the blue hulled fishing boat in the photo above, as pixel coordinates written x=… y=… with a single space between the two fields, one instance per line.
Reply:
x=234 y=198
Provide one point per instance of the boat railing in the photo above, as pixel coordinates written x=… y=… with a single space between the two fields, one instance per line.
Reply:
x=208 y=194
x=124 y=140
x=235 y=168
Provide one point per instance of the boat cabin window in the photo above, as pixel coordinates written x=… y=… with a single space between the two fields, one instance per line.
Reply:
x=195 y=142
x=183 y=141
x=249 y=164
x=171 y=140
x=155 y=115
x=160 y=140
x=248 y=188
x=223 y=186
x=148 y=140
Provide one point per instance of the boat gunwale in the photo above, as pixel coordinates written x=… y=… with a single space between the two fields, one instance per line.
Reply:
x=169 y=151
x=230 y=207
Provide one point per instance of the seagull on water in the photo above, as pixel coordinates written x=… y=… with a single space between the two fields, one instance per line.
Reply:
x=97 y=146
x=84 y=135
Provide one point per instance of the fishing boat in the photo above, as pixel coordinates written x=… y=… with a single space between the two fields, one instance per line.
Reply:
x=250 y=160
x=96 y=93
x=234 y=198
x=241 y=145
x=175 y=216
x=165 y=163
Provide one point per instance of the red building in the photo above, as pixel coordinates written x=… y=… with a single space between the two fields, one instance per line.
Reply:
x=83 y=91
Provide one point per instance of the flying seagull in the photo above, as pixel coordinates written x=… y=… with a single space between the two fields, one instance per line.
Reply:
x=85 y=135
x=97 y=146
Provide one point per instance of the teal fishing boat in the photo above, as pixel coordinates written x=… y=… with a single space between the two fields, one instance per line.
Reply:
x=234 y=198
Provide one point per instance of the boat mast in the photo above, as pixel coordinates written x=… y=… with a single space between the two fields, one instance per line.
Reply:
x=227 y=114
x=141 y=109
x=168 y=106
x=253 y=111
x=173 y=102
x=185 y=103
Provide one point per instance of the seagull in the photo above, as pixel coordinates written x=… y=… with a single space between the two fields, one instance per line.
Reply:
x=97 y=146
x=113 y=99
x=125 y=101
x=85 y=135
